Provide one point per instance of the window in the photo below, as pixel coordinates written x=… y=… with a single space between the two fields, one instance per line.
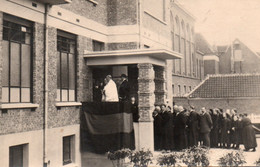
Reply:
x=17 y=57
x=66 y=67
x=173 y=89
x=98 y=46
x=18 y=156
x=179 y=89
x=190 y=88
x=68 y=149
x=185 y=89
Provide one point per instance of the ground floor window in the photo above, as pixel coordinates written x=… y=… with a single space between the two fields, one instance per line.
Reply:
x=68 y=149
x=18 y=156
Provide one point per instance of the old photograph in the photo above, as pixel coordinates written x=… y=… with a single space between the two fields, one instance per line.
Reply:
x=129 y=83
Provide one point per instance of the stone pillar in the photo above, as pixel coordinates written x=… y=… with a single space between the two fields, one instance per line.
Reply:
x=160 y=86
x=146 y=100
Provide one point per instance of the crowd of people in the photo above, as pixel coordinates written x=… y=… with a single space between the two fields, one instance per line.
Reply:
x=182 y=128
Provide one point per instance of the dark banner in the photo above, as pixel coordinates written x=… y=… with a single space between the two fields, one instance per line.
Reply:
x=106 y=126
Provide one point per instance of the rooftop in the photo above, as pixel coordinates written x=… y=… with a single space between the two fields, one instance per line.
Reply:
x=228 y=86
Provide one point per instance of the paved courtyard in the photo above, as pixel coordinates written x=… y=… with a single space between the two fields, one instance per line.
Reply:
x=95 y=160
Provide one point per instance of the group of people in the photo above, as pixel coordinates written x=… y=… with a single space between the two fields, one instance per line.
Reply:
x=181 y=128
x=107 y=91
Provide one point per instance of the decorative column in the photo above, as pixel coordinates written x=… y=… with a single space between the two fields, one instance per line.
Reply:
x=146 y=100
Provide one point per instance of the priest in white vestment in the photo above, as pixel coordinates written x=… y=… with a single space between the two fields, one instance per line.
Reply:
x=110 y=90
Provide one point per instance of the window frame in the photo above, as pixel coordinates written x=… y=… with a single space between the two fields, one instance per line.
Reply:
x=69 y=38
x=71 y=147
x=22 y=23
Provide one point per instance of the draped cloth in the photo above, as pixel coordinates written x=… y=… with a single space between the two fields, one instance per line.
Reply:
x=106 y=126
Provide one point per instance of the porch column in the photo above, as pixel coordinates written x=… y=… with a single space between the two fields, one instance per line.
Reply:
x=159 y=80
x=146 y=100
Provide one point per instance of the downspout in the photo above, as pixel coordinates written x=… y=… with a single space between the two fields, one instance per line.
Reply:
x=139 y=20
x=45 y=112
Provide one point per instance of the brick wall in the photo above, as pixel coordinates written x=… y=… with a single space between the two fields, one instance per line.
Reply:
x=84 y=72
x=121 y=12
x=243 y=105
x=210 y=67
x=251 y=60
x=183 y=81
x=122 y=46
x=87 y=9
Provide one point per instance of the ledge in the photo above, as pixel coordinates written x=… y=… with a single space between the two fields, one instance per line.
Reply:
x=67 y=104
x=18 y=105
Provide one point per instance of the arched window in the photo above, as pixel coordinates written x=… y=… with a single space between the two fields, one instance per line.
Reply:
x=188 y=32
x=183 y=33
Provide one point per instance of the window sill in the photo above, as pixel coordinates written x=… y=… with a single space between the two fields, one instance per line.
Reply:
x=18 y=105
x=94 y=2
x=70 y=165
x=67 y=104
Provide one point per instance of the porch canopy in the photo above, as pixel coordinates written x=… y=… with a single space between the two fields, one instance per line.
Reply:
x=136 y=56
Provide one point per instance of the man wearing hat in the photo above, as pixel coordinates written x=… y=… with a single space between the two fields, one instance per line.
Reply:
x=124 y=89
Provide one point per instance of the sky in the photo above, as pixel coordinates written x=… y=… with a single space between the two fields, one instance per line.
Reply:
x=221 y=21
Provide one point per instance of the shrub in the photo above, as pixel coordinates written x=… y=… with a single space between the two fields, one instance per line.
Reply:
x=118 y=157
x=168 y=159
x=141 y=158
x=232 y=159
x=195 y=156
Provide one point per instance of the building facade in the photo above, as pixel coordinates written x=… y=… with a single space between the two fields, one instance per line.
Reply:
x=51 y=53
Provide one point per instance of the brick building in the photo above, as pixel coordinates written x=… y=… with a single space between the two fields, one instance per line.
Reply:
x=51 y=52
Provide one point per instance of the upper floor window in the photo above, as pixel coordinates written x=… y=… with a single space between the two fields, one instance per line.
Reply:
x=98 y=46
x=66 y=67
x=17 y=60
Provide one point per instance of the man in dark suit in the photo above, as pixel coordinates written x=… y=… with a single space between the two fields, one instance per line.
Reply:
x=180 y=121
x=157 y=116
x=193 y=125
x=215 y=128
x=205 y=124
x=124 y=89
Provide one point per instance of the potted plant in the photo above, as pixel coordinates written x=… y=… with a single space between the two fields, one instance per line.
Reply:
x=141 y=158
x=118 y=157
x=195 y=156
x=168 y=159
x=232 y=159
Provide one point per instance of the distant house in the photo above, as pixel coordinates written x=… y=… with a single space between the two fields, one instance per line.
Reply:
x=237 y=58
x=240 y=91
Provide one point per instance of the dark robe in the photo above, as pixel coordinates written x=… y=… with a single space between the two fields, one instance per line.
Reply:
x=134 y=109
x=234 y=134
x=249 y=138
x=193 y=125
x=124 y=91
x=214 y=131
x=225 y=128
x=205 y=125
x=167 y=130
x=158 y=131
x=180 y=136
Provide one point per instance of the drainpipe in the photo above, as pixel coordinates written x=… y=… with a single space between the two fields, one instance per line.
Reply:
x=139 y=21
x=45 y=112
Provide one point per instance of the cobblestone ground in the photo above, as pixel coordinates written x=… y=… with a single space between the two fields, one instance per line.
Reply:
x=94 y=160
